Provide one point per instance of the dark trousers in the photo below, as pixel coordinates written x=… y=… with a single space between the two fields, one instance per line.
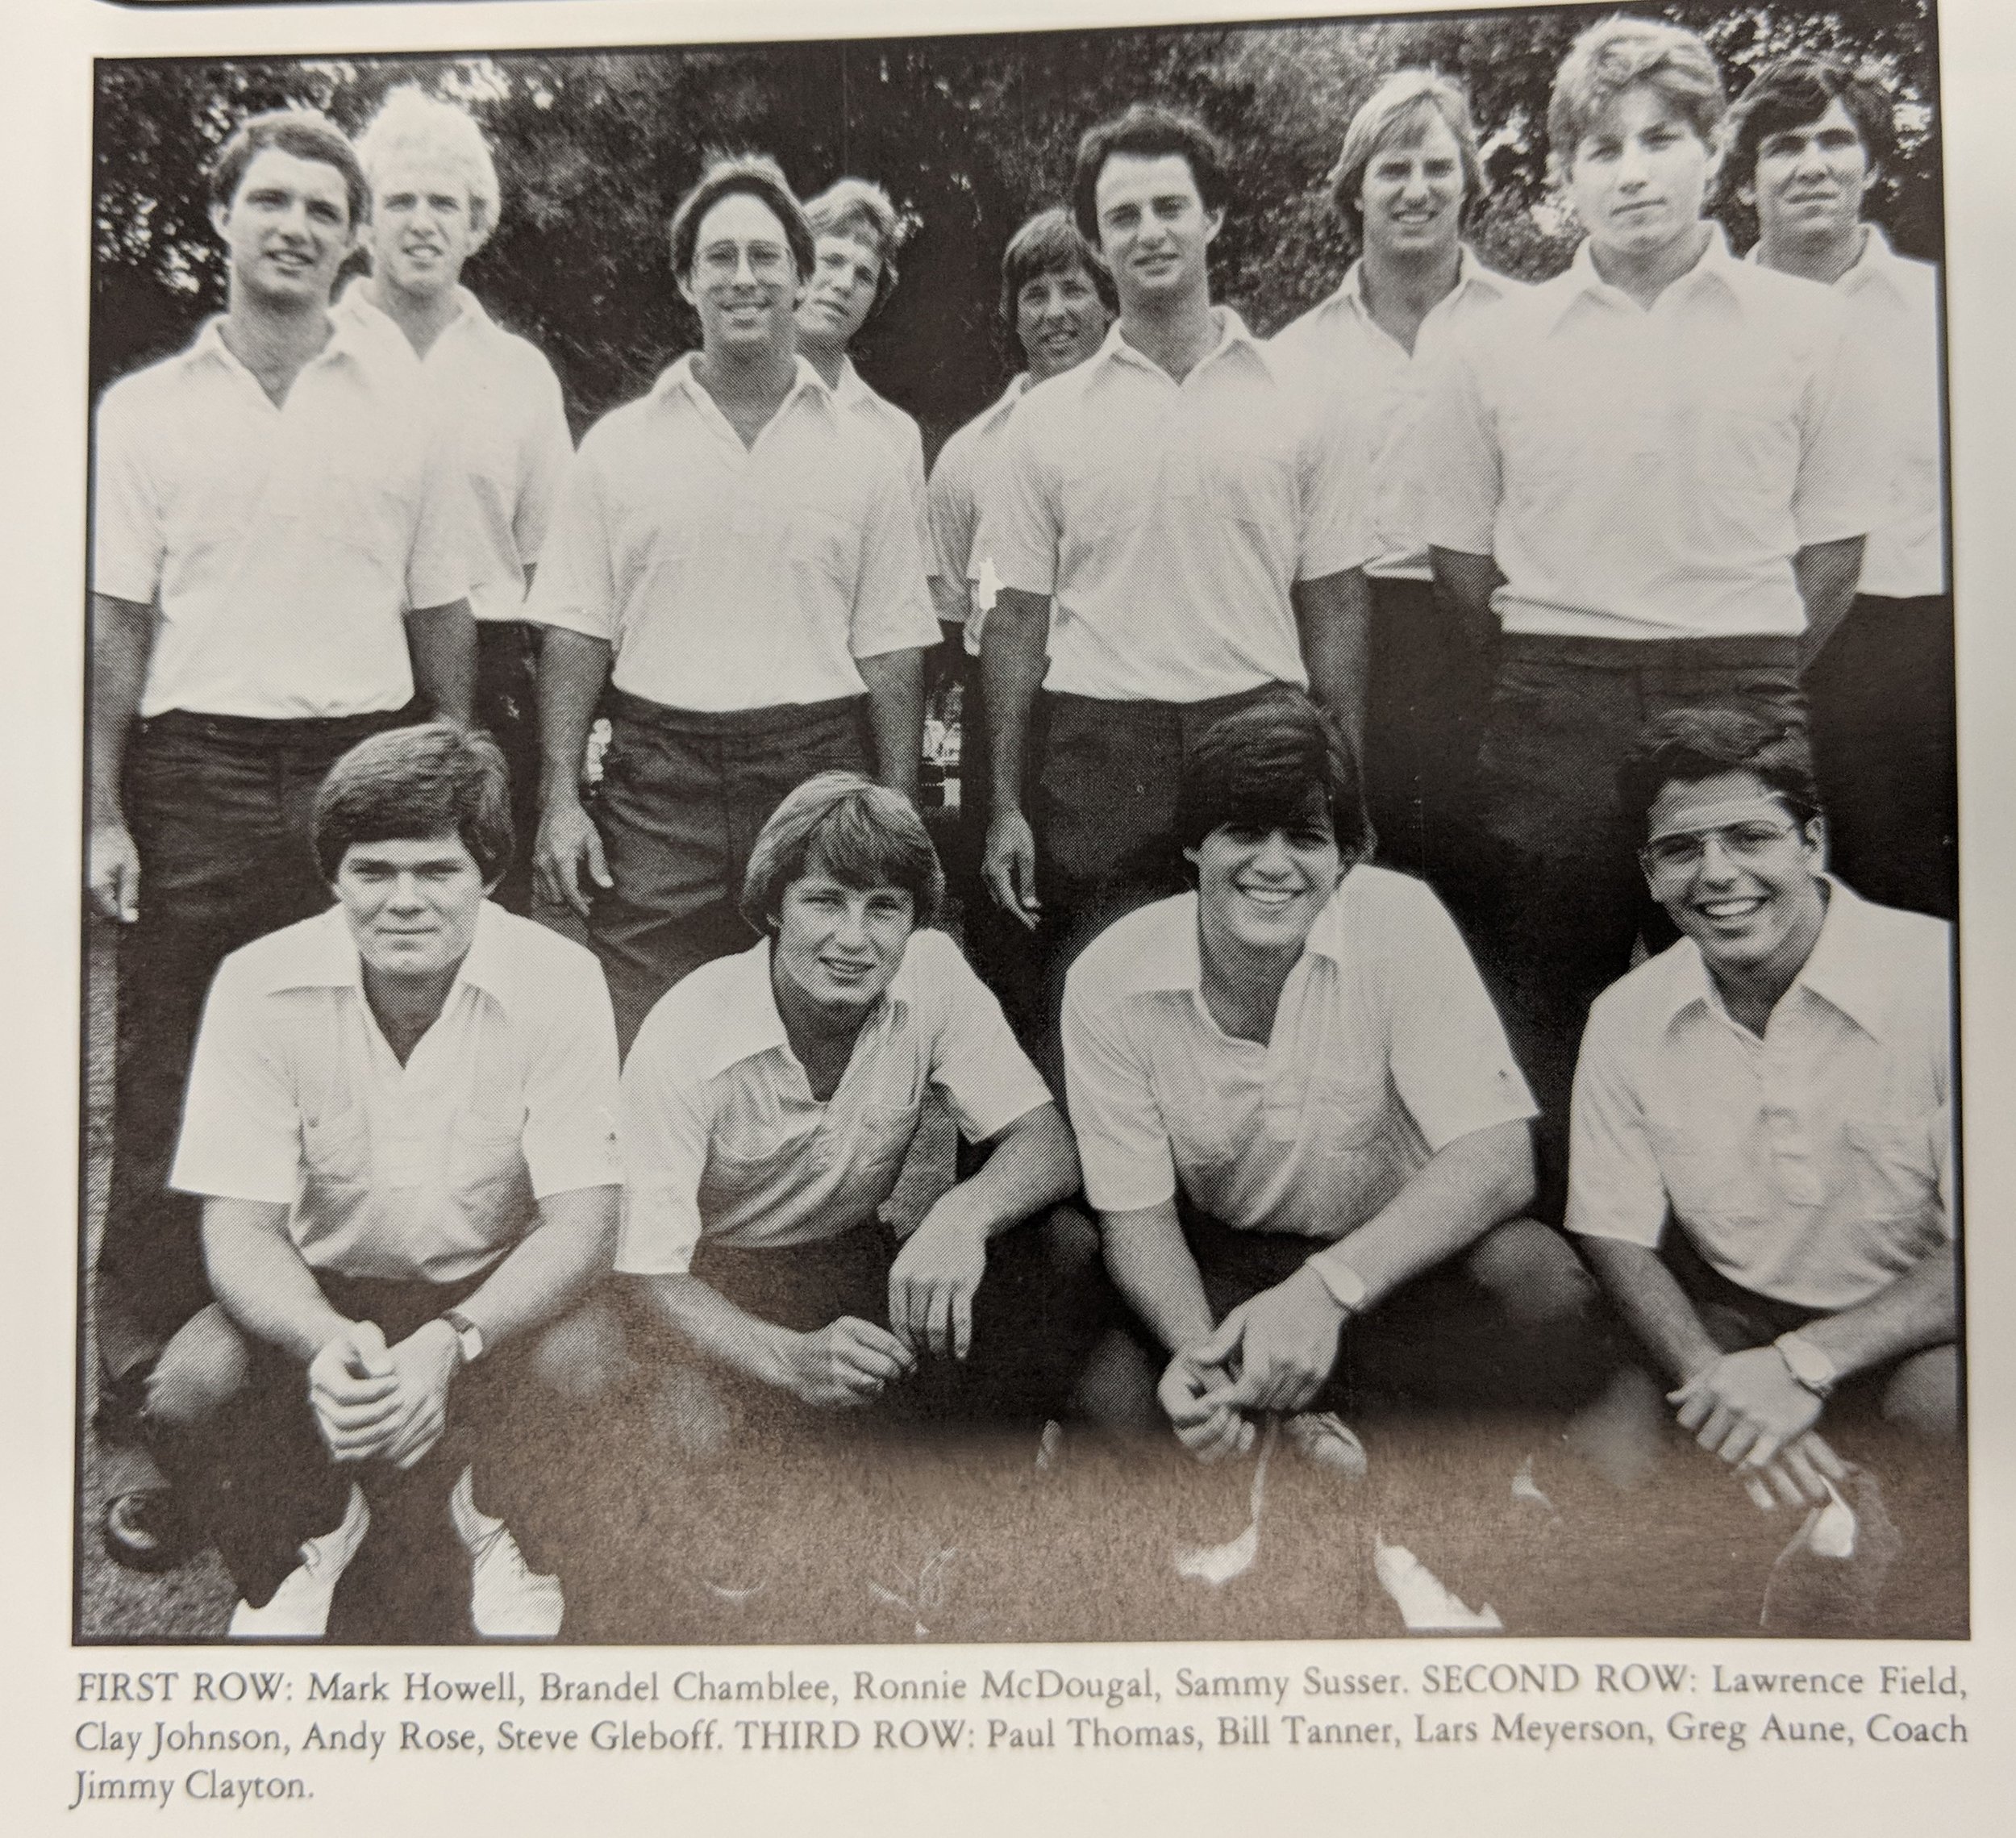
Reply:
x=220 y=808
x=230 y=1424
x=1557 y=900
x=1882 y=697
x=682 y=798
x=507 y=705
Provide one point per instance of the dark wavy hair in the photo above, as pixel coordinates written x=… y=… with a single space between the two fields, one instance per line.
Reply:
x=1149 y=130
x=1686 y=745
x=305 y=133
x=1259 y=767
x=761 y=178
x=412 y=784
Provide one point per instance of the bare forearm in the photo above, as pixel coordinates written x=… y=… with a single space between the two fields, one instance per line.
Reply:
x=550 y=1268
x=442 y=643
x=710 y=1323
x=1034 y=1164
x=895 y=680
x=1920 y=1309
x=259 y=1277
x=1654 y=1306
x=572 y=670
x=1012 y=660
x=1334 y=617
x=1465 y=585
x=122 y=638
x=1151 y=1265
x=1827 y=574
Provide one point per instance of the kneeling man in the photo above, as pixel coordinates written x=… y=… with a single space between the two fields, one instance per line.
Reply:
x=1301 y=1126
x=768 y=1105
x=401 y=1122
x=1759 y=1165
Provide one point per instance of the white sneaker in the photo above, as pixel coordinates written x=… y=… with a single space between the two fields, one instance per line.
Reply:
x=299 y=1609
x=1324 y=1438
x=507 y=1600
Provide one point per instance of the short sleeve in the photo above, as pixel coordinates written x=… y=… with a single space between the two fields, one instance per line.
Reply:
x=913 y=483
x=1336 y=490
x=443 y=565
x=1847 y=449
x=1020 y=522
x=950 y=514
x=976 y=1060
x=549 y=451
x=1615 y=1189
x=569 y=1140
x=128 y=540
x=241 y=1120
x=892 y=605
x=576 y=585
x=1454 y=455
x=663 y=1122
x=1124 y=1142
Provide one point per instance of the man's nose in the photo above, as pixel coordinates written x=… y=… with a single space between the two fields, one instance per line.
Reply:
x=1717 y=864
x=405 y=891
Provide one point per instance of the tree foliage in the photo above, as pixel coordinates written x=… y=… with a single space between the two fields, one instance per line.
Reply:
x=969 y=134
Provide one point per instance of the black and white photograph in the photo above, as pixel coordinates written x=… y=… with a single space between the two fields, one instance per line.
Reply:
x=1141 y=835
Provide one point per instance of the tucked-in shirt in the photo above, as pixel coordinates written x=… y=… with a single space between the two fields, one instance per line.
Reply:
x=1385 y=1049
x=1811 y=1166
x=1338 y=345
x=427 y=1170
x=722 y=1137
x=898 y=432
x=1169 y=520
x=279 y=546
x=957 y=489
x=501 y=404
x=1652 y=474
x=727 y=577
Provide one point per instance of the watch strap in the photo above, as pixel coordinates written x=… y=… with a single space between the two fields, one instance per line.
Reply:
x=468 y=1336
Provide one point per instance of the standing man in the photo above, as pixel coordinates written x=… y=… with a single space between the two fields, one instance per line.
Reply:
x=434 y=204
x=736 y=559
x=1407 y=179
x=279 y=568
x=1648 y=481
x=1806 y=145
x=1202 y=533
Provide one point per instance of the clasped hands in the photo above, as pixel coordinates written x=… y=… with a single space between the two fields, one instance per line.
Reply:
x=1273 y=1352
x=1747 y=1408
x=373 y=1400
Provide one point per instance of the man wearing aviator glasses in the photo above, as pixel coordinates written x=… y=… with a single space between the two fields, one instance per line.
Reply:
x=1776 y=1088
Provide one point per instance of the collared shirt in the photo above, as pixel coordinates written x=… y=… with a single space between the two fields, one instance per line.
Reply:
x=958 y=484
x=899 y=432
x=1385 y=1049
x=427 y=1170
x=1651 y=474
x=727 y=577
x=281 y=546
x=722 y=1137
x=1170 y=520
x=499 y=400
x=1812 y=1165
x=1338 y=345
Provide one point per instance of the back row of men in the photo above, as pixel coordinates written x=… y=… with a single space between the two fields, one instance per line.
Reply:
x=1489 y=529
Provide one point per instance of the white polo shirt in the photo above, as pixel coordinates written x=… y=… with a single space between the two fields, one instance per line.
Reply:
x=727 y=577
x=1338 y=345
x=958 y=483
x=1169 y=520
x=899 y=432
x=1813 y=1165
x=500 y=402
x=721 y=1134
x=427 y=1170
x=280 y=547
x=1651 y=474
x=1385 y=1049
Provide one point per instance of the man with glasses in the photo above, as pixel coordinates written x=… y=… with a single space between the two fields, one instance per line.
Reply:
x=1760 y=1153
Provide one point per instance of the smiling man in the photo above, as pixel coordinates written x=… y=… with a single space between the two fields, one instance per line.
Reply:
x=1405 y=180
x=433 y=205
x=280 y=551
x=1300 y=1124
x=1807 y=148
x=768 y=1107
x=1761 y=1170
x=1647 y=483
x=736 y=560
x=1176 y=531
x=401 y=1127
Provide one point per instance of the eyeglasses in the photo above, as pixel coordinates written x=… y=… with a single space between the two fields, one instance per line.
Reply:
x=721 y=260
x=1667 y=858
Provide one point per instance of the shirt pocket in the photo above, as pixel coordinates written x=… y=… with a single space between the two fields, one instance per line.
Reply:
x=883 y=1133
x=1701 y=1185
x=1253 y=487
x=1347 y=1113
x=1895 y=1170
x=823 y=546
x=1103 y=496
x=485 y=1148
x=337 y=1148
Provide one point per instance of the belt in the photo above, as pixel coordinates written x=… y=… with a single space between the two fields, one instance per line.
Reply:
x=784 y=716
x=262 y=731
x=1754 y=651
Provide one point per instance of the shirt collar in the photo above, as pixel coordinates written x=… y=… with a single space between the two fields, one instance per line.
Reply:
x=1169 y=959
x=677 y=377
x=1003 y=404
x=1232 y=336
x=1716 y=268
x=743 y=1021
x=1471 y=275
x=320 y=953
x=851 y=390
x=351 y=339
x=1878 y=266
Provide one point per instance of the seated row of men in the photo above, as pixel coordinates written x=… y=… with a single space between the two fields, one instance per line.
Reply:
x=1295 y=1115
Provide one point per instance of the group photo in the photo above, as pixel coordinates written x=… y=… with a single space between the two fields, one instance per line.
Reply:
x=1129 y=835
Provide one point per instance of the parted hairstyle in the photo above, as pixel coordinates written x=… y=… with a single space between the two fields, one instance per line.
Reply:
x=860 y=210
x=1147 y=131
x=862 y=834
x=759 y=177
x=1793 y=92
x=1615 y=54
x=1048 y=243
x=1397 y=115
x=1687 y=745
x=1258 y=768
x=307 y=134
x=411 y=124
x=414 y=784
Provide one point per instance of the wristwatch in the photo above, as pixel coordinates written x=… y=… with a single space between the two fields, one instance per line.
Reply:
x=468 y=1336
x=1346 y=1287
x=1807 y=1363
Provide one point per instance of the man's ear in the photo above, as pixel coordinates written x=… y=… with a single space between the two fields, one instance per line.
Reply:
x=1214 y=222
x=1814 y=835
x=685 y=285
x=219 y=218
